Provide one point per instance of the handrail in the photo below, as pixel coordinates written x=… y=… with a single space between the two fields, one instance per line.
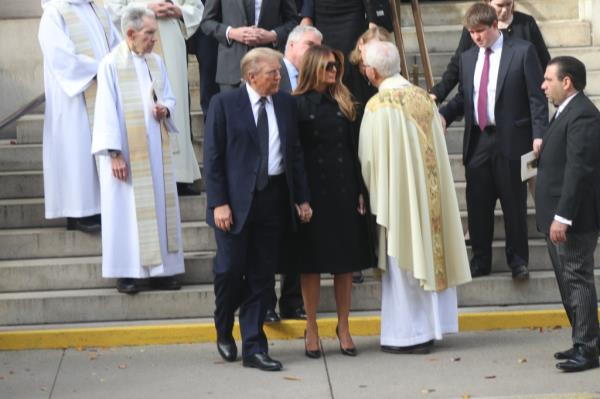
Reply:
x=36 y=102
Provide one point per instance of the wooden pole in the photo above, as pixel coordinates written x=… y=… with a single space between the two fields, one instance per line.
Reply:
x=416 y=9
x=398 y=36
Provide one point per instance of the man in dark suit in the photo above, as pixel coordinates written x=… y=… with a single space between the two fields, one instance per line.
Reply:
x=568 y=204
x=505 y=115
x=299 y=40
x=255 y=183
x=239 y=25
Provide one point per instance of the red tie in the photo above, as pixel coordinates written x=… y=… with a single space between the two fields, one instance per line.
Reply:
x=483 y=92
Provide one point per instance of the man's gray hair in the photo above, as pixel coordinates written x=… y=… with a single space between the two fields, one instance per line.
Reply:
x=298 y=31
x=253 y=60
x=133 y=17
x=383 y=56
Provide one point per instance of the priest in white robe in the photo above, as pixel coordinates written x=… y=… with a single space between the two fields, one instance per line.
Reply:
x=74 y=36
x=422 y=254
x=141 y=227
x=177 y=21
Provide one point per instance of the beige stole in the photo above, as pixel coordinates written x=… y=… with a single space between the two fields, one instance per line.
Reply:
x=141 y=174
x=79 y=36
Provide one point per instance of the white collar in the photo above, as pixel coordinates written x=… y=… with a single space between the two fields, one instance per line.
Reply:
x=562 y=105
x=496 y=46
x=254 y=96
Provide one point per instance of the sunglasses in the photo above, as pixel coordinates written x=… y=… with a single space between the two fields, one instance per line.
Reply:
x=332 y=64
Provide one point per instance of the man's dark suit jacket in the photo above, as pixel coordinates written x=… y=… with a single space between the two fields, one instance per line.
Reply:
x=568 y=179
x=521 y=107
x=277 y=15
x=285 y=84
x=232 y=155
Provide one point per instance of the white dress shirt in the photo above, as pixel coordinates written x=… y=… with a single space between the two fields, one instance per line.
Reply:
x=292 y=73
x=275 y=155
x=492 y=82
x=560 y=109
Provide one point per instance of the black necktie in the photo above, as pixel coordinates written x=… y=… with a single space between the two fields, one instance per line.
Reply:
x=262 y=126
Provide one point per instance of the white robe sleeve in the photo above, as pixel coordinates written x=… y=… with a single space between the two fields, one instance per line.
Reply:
x=115 y=9
x=168 y=98
x=108 y=126
x=115 y=33
x=192 y=15
x=72 y=72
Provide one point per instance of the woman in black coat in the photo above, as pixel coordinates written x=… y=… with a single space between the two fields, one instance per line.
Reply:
x=336 y=239
x=512 y=24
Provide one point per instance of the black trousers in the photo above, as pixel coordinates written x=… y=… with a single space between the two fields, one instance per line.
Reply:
x=573 y=263
x=491 y=176
x=205 y=49
x=245 y=266
x=291 y=294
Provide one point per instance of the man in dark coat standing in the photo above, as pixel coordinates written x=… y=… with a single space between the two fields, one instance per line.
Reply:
x=255 y=184
x=506 y=115
x=568 y=204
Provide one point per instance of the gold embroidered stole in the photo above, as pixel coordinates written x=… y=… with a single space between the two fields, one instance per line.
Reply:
x=79 y=36
x=418 y=109
x=141 y=174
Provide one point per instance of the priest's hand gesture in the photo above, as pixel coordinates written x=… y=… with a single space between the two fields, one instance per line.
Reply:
x=160 y=112
x=119 y=167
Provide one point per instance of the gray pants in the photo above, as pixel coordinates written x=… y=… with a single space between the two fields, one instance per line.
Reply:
x=573 y=263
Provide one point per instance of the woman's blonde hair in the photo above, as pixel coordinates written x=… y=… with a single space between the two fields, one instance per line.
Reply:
x=312 y=70
x=378 y=33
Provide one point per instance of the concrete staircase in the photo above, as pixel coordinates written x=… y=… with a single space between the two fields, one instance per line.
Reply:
x=51 y=275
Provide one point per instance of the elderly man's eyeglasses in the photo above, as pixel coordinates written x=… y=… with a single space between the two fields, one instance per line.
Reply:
x=332 y=64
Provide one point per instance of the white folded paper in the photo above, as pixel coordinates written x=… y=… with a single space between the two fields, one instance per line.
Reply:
x=528 y=166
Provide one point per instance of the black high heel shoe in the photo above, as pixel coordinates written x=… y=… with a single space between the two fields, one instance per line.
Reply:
x=345 y=351
x=311 y=354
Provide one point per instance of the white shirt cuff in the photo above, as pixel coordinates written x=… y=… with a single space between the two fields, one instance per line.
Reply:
x=227 y=35
x=563 y=220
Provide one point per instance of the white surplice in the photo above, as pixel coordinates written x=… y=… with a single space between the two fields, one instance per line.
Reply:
x=120 y=243
x=70 y=179
x=409 y=314
x=173 y=33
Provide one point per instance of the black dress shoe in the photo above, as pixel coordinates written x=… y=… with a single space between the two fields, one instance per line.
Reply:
x=227 y=349
x=580 y=361
x=296 y=314
x=271 y=316
x=478 y=271
x=563 y=355
x=186 y=189
x=168 y=283
x=419 y=349
x=520 y=272
x=88 y=224
x=128 y=286
x=262 y=361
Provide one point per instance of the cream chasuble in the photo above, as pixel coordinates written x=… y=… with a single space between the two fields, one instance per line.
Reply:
x=74 y=36
x=406 y=169
x=141 y=228
x=171 y=47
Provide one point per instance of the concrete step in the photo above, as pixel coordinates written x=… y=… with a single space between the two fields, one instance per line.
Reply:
x=452 y=12
x=21 y=184
x=106 y=304
x=24 y=213
x=20 y=157
x=29 y=129
x=73 y=273
x=53 y=242
x=444 y=38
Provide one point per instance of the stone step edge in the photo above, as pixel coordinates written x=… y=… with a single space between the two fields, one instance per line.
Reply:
x=81 y=336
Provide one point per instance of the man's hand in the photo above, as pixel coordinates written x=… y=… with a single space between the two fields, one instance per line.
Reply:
x=160 y=9
x=306 y=21
x=361 y=208
x=304 y=212
x=160 y=112
x=223 y=217
x=264 y=36
x=433 y=97
x=119 y=167
x=558 y=232
x=537 y=145
x=443 y=120
x=244 y=34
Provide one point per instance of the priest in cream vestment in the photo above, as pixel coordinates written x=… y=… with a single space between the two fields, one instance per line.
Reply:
x=177 y=21
x=74 y=36
x=141 y=228
x=422 y=254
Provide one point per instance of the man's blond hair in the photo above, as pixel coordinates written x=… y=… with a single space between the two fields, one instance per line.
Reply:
x=253 y=59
